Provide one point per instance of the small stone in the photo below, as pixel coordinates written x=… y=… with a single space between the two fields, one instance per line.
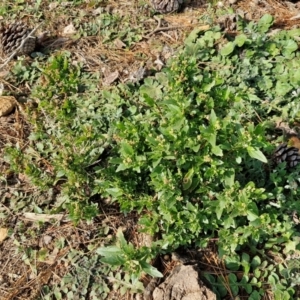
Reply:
x=7 y=104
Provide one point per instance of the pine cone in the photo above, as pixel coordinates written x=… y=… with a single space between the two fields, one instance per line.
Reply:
x=285 y=153
x=11 y=37
x=166 y=6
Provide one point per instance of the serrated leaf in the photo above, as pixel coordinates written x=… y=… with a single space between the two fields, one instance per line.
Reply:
x=257 y=154
x=227 y=49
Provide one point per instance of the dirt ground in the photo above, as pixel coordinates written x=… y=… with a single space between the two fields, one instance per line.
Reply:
x=19 y=277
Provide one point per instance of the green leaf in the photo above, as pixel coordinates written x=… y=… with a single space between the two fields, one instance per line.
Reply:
x=289 y=47
x=257 y=154
x=240 y=40
x=252 y=212
x=229 y=178
x=245 y=257
x=256 y=261
x=290 y=246
x=126 y=149
x=233 y=284
x=212 y=118
x=192 y=36
x=282 y=88
x=147 y=268
x=265 y=23
x=122 y=167
x=115 y=192
x=232 y=263
x=254 y=296
x=227 y=49
x=216 y=150
x=121 y=239
x=109 y=250
x=188 y=179
x=114 y=260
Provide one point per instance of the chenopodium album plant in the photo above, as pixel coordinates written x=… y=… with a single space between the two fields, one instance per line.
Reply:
x=185 y=149
x=189 y=145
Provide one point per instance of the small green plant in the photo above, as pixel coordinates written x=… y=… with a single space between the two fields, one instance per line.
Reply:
x=88 y=278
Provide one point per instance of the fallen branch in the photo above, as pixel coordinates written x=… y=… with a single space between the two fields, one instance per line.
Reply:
x=159 y=28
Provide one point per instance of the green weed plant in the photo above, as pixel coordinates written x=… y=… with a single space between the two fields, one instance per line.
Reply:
x=188 y=149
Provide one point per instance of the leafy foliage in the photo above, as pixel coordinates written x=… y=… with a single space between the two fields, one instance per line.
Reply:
x=187 y=149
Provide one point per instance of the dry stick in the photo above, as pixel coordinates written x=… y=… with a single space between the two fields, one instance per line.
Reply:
x=21 y=45
x=158 y=28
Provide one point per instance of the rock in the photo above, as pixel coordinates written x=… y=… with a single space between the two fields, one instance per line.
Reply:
x=184 y=284
x=7 y=104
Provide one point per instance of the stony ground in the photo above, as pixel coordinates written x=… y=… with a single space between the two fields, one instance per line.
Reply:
x=24 y=235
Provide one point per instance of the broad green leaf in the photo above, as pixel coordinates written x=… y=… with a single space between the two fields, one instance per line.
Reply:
x=147 y=268
x=229 y=178
x=216 y=150
x=296 y=76
x=192 y=36
x=282 y=88
x=227 y=49
x=257 y=154
x=238 y=159
x=245 y=257
x=289 y=47
x=254 y=296
x=187 y=180
x=265 y=23
x=233 y=284
x=126 y=149
x=232 y=263
x=149 y=100
x=212 y=118
x=115 y=192
x=122 y=167
x=290 y=246
x=109 y=250
x=212 y=138
x=114 y=260
x=240 y=40
x=256 y=261
x=252 y=212
x=121 y=239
